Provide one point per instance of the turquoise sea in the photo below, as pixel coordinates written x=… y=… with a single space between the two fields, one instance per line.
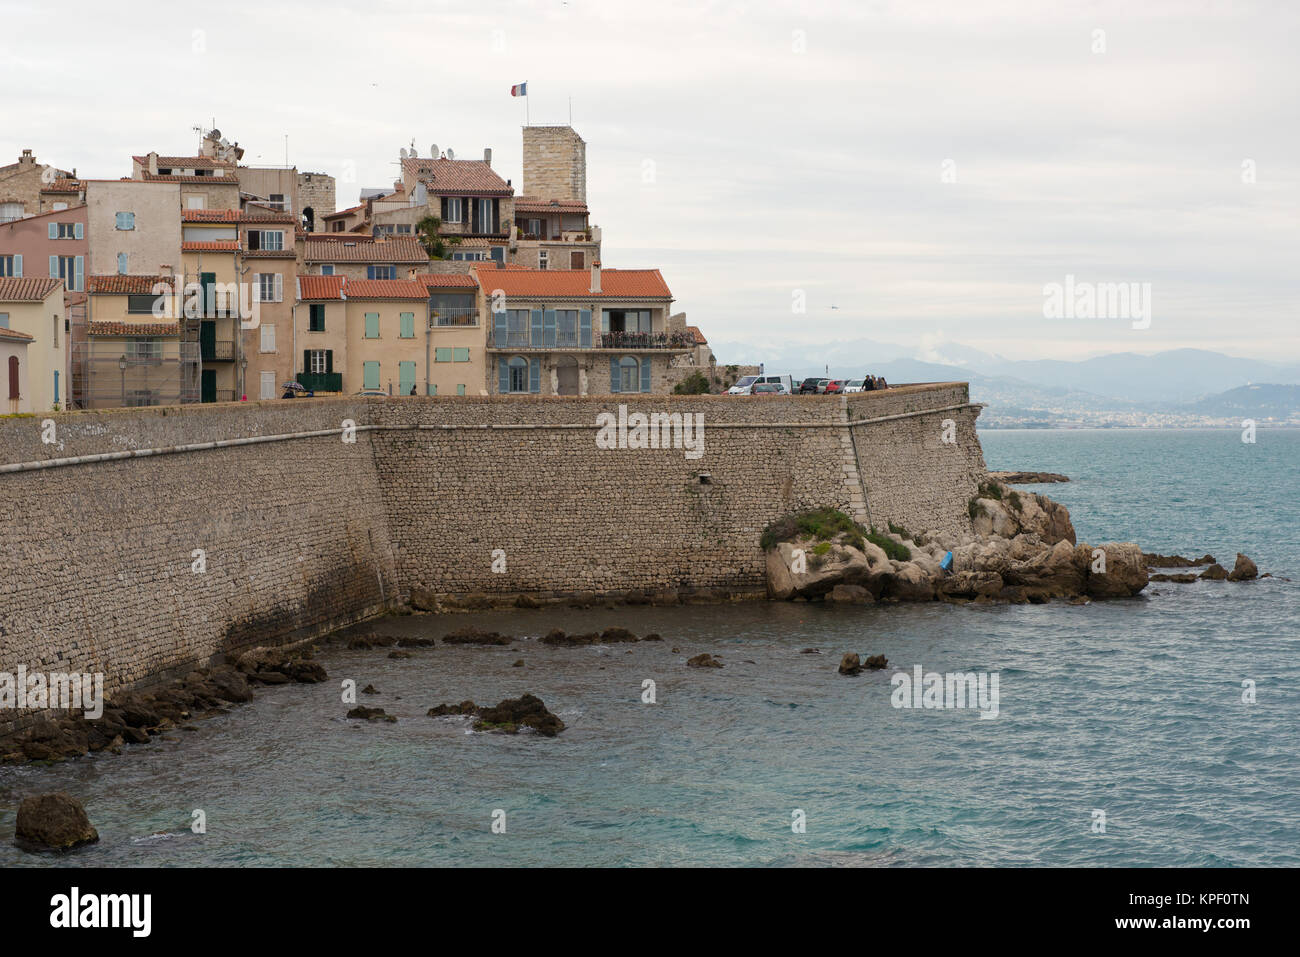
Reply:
x=1131 y=708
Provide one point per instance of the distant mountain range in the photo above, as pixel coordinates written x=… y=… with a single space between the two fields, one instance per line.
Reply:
x=1179 y=387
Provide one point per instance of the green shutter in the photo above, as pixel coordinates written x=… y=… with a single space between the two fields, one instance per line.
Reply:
x=372 y=325
x=613 y=374
x=18 y=265
x=534 y=375
x=442 y=354
x=329 y=360
x=306 y=360
x=407 y=325
x=79 y=231
x=460 y=389
x=405 y=377
x=537 y=340
x=503 y=375
x=460 y=354
x=54 y=267
x=645 y=374
x=433 y=388
x=371 y=376
x=584 y=328
x=79 y=270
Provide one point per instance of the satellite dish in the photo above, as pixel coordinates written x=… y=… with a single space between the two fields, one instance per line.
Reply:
x=451 y=154
x=403 y=152
x=433 y=150
x=215 y=134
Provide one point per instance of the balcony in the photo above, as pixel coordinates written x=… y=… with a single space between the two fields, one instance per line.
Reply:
x=222 y=351
x=321 y=381
x=455 y=317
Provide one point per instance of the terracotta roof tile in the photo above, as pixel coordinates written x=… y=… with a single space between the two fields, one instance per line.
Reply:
x=535 y=204
x=457 y=176
x=64 y=186
x=125 y=285
x=186 y=162
x=358 y=249
x=320 y=287
x=108 y=327
x=385 y=289
x=14 y=335
x=205 y=180
x=344 y=212
x=446 y=280
x=269 y=254
x=210 y=245
x=27 y=288
x=694 y=332
x=574 y=283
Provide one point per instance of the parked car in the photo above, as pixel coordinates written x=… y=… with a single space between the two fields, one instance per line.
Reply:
x=834 y=386
x=378 y=393
x=767 y=388
x=808 y=385
x=742 y=385
x=784 y=381
x=853 y=385
x=821 y=385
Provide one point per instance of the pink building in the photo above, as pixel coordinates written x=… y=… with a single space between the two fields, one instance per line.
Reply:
x=52 y=245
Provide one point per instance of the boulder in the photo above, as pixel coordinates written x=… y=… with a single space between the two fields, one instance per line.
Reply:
x=1183 y=577
x=836 y=565
x=1215 y=572
x=703 y=660
x=850 y=664
x=371 y=714
x=852 y=594
x=54 y=821
x=475 y=636
x=1156 y=560
x=1243 y=570
x=1052 y=573
x=908 y=582
x=1125 y=574
x=876 y=662
x=512 y=714
x=970 y=585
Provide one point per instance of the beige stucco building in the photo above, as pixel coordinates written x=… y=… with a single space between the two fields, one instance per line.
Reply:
x=33 y=308
x=134 y=227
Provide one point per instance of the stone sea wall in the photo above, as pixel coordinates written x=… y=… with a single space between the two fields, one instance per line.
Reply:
x=100 y=570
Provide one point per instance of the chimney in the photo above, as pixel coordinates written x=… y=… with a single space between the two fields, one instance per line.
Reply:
x=595 y=276
x=487 y=155
x=153 y=164
x=27 y=159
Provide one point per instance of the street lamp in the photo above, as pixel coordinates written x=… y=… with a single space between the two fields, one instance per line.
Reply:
x=121 y=365
x=243 y=378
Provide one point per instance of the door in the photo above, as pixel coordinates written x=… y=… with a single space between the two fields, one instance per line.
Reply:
x=208 y=340
x=566 y=369
x=208 y=386
x=268 y=385
x=405 y=378
x=575 y=260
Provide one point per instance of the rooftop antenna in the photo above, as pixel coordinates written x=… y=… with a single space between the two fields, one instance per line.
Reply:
x=570 y=112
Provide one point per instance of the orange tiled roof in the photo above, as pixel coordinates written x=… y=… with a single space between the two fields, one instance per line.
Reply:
x=27 y=288
x=360 y=249
x=320 y=287
x=535 y=204
x=384 y=289
x=210 y=245
x=64 y=186
x=125 y=285
x=446 y=280
x=15 y=336
x=457 y=176
x=109 y=327
x=270 y=254
x=344 y=212
x=148 y=177
x=186 y=162
x=575 y=283
x=694 y=332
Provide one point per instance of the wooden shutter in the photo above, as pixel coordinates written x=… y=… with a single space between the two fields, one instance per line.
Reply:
x=496 y=215
x=54 y=230
x=306 y=360
x=444 y=209
x=329 y=360
x=584 y=328
x=79 y=231
x=279 y=287
x=534 y=375
x=537 y=338
x=613 y=374
x=503 y=375
x=18 y=265
x=13 y=377
x=54 y=267
x=548 y=328
x=500 y=326
x=645 y=374
x=79 y=270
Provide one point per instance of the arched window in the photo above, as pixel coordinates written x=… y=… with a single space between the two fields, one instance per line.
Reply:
x=518 y=374
x=13 y=377
x=629 y=375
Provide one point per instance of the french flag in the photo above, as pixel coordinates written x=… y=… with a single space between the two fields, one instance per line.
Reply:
x=519 y=89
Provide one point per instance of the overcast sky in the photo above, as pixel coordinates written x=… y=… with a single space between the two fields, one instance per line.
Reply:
x=753 y=150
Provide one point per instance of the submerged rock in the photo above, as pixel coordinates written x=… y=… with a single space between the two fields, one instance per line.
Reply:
x=475 y=636
x=703 y=660
x=512 y=714
x=1215 y=572
x=850 y=664
x=1243 y=570
x=371 y=714
x=1184 y=577
x=1156 y=560
x=55 y=821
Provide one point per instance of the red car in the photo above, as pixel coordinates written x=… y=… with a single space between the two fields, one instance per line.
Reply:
x=834 y=386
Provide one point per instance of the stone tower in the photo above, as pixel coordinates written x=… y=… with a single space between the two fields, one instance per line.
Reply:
x=316 y=193
x=555 y=163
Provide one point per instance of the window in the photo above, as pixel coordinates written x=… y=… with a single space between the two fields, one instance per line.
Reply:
x=11 y=211
x=316 y=317
x=518 y=374
x=485 y=216
x=473 y=256
x=64 y=230
x=267 y=385
x=125 y=221
x=381 y=272
x=454 y=214
x=11 y=265
x=327 y=269
x=576 y=260
x=70 y=269
x=277 y=200
x=566 y=328
x=270 y=239
x=58 y=207
x=517 y=327
x=197 y=202
x=460 y=354
x=144 y=350
x=140 y=304
x=372 y=326
x=535 y=228
x=268 y=337
x=629 y=375
x=270 y=287
x=406 y=328
x=543 y=258
x=318 y=361
x=403 y=229
x=57 y=323
x=370 y=375
x=13 y=378
x=4 y=320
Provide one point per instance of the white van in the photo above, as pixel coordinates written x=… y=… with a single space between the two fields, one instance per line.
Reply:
x=745 y=385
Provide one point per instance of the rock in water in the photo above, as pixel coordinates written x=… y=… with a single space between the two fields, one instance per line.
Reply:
x=526 y=711
x=54 y=821
x=1244 y=570
x=876 y=662
x=703 y=660
x=850 y=664
x=1215 y=572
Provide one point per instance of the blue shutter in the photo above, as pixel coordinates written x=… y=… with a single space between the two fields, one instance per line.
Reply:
x=80 y=270
x=121 y=264
x=548 y=327
x=536 y=340
x=613 y=374
x=79 y=231
x=503 y=375
x=534 y=375
x=54 y=230
x=584 y=328
x=645 y=374
x=18 y=265
x=54 y=267
x=500 y=325
x=370 y=272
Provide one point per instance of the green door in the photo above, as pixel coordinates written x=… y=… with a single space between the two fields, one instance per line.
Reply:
x=208 y=339
x=405 y=378
x=208 y=391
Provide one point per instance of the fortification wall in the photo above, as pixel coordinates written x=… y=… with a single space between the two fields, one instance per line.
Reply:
x=302 y=531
